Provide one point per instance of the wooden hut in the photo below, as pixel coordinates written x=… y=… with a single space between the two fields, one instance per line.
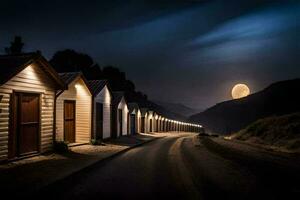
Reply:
x=74 y=110
x=156 y=122
x=27 y=98
x=151 y=121
x=119 y=115
x=144 y=120
x=134 y=118
x=101 y=108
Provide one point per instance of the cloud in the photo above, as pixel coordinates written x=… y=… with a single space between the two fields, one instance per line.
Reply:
x=248 y=36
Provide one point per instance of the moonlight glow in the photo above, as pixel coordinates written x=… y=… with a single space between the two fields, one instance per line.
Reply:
x=239 y=91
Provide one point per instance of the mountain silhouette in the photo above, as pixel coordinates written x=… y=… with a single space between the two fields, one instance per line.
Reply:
x=230 y=116
x=177 y=108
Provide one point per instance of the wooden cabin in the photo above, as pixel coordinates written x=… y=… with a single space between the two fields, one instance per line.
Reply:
x=144 y=120
x=119 y=115
x=162 y=124
x=74 y=110
x=28 y=85
x=151 y=121
x=134 y=119
x=156 y=122
x=101 y=107
x=159 y=123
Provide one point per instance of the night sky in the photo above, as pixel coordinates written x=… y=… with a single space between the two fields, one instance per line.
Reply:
x=191 y=52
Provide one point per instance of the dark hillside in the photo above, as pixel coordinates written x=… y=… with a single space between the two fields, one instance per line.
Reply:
x=231 y=116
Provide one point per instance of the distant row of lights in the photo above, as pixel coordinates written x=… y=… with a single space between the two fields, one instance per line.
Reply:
x=177 y=122
x=77 y=86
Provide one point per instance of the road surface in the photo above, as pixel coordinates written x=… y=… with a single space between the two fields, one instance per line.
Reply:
x=181 y=167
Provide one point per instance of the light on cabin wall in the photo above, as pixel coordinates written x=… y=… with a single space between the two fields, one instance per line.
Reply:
x=80 y=90
x=77 y=86
x=30 y=72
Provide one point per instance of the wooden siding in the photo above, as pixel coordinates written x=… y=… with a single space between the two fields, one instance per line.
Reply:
x=137 y=115
x=149 y=117
x=122 y=105
x=129 y=123
x=147 y=122
x=104 y=97
x=31 y=79
x=138 y=122
x=156 y=124
x=78 y=92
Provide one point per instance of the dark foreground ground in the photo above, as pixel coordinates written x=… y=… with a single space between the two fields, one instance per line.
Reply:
x=180 y=167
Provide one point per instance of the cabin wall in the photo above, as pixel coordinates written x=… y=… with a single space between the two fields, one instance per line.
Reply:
x=147 y=122
x=122 y=105
x=31 y=79
x=138 y=127
x=159 y=125
x=129 y=122
x=104 y=97
x=155 y=123
x=149 y=116
x=77 y=91
x=138 y=122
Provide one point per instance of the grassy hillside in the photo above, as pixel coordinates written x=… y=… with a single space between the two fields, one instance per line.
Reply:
x=282 y=132
x=231 y=116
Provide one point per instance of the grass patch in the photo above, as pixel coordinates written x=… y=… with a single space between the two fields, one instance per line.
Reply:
x=281 y=131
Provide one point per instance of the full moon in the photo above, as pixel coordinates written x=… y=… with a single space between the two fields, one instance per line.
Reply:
x=240 y=91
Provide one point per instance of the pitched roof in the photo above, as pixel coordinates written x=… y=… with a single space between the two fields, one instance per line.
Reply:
x=69 y=77
x=10 y=65
x=117 y=97
x=96 y=86
x=144 y=111
x=132 y=107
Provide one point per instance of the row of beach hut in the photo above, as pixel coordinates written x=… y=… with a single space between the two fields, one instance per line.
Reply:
x=39 y=107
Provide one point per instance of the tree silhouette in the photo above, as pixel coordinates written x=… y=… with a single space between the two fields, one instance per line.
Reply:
x=69 y=61
x=16 y=46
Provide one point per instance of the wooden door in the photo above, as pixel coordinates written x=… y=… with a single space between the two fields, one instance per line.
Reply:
x=69 y=121
x=99 y=121
x=132 y=124
x=24 y=136
x=143 y=124
x=150 y=125
x=120 y=114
